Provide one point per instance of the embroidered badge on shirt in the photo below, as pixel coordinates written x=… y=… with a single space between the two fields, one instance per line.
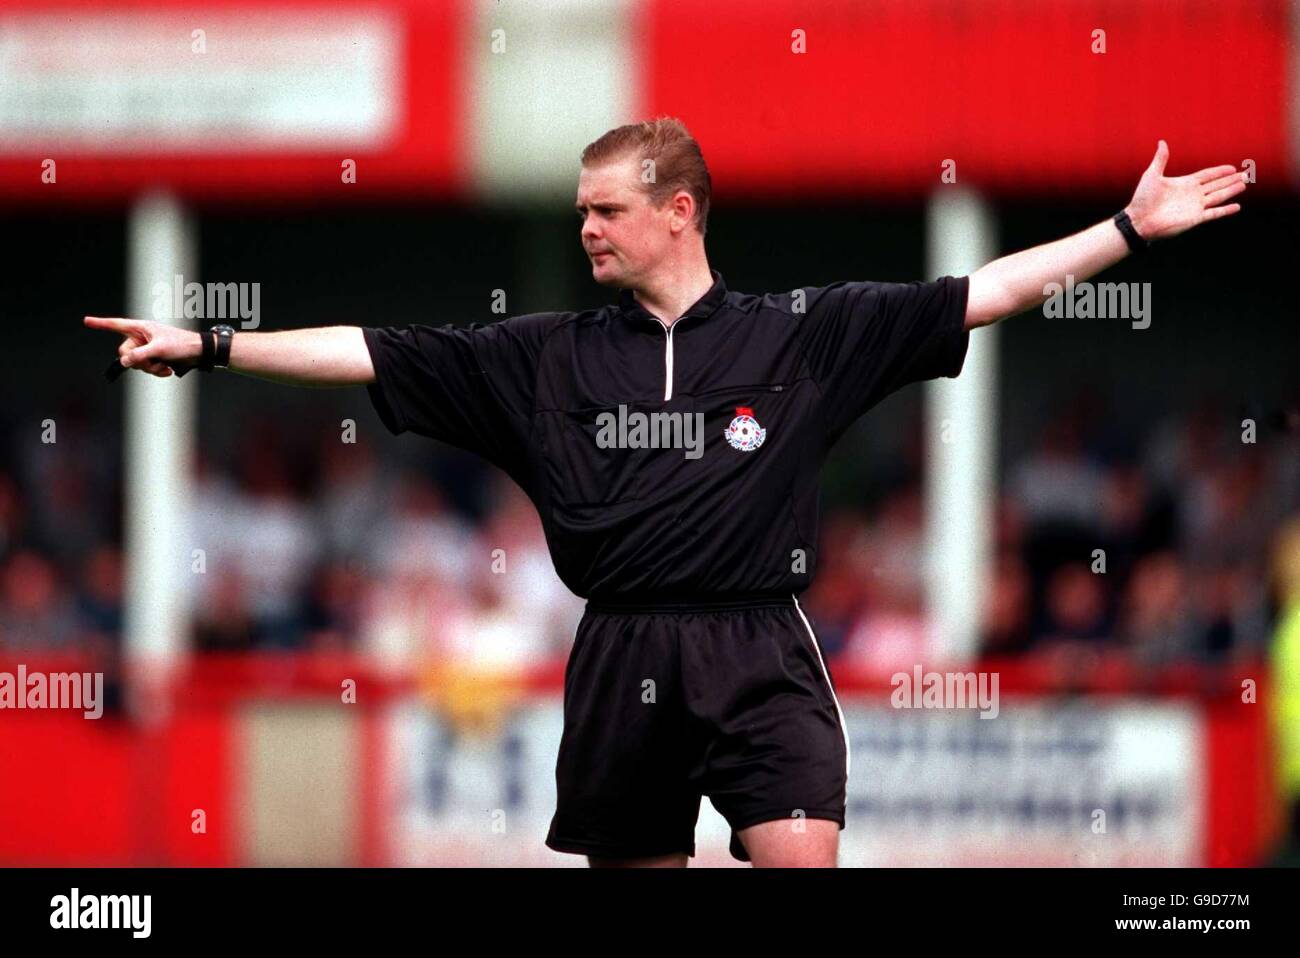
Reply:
x=745 y=433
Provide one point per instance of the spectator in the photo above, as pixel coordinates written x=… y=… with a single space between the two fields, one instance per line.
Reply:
x=1156 y=623
x=278 y=541
x=353 y=496
x=35 y=609
x=1076 y=612
x=335 y=606
x=223 y=623
x=420 y=536
x=1008 y=606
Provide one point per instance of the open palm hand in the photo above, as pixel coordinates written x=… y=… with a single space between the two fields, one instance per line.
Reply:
x=1165 y=206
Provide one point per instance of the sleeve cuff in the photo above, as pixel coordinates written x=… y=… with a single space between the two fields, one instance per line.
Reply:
x=957 y=333
x=380 y=390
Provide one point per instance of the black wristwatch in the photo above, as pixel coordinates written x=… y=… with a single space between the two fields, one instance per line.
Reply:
x=1136 y=243
x=216 y=347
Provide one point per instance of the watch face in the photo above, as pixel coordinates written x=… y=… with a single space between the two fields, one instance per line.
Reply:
x=223 y=328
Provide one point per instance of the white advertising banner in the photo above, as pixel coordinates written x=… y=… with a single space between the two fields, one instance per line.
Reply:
x=207 y=80
x=1088 y=782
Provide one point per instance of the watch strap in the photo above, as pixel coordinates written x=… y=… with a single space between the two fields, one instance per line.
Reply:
x=209 y=353
x=1135 y=242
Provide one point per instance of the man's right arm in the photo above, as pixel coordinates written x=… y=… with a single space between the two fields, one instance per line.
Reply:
x=319 y=356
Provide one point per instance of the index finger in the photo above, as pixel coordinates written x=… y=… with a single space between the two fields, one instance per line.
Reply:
x=124 y=326
x=1213 y=173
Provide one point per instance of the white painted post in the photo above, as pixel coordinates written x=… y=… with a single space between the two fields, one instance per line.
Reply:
x=160 y=416
x=961 y=441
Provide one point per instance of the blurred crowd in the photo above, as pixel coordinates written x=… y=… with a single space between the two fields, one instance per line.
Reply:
x=1164 y=550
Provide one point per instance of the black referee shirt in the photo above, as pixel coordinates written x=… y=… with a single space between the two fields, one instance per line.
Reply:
x=775 y=378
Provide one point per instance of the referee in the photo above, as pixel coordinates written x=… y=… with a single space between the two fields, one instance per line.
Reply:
x=671 y=443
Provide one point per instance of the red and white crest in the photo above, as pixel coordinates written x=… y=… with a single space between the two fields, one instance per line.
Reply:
x=745 y=433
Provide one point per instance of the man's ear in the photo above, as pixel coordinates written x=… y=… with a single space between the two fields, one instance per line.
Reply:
x=684 y=208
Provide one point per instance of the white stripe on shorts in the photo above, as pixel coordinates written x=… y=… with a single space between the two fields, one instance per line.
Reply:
x=844 y=729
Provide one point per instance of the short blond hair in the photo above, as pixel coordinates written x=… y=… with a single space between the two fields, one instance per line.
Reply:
x=678 y=161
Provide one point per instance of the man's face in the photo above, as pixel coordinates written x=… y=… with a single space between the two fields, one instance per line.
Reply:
x=624 y=236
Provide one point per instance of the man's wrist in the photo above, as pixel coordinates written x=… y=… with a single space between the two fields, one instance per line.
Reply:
x=1134 y=237
x=194 y=348
x=1139 y=224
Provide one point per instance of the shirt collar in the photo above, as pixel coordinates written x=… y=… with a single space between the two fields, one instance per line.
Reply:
x=704 y=306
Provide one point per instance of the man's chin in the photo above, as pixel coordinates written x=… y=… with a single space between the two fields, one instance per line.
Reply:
x=606 y=277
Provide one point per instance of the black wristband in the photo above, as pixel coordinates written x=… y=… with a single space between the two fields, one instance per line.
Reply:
x=209 y=339
x=1135 y=242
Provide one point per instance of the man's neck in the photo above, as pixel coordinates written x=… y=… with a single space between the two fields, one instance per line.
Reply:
x=669 y=298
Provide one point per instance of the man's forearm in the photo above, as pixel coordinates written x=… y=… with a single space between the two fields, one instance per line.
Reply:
x=320 y=356
x=1015 y=283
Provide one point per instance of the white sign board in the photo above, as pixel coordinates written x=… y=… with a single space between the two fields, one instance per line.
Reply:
x=1089 y=783
x=140 y=82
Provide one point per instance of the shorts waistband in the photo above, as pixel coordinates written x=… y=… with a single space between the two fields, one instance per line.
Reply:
x=654 y=606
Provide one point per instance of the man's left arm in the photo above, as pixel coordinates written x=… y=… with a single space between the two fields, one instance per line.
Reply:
x=1162 y=206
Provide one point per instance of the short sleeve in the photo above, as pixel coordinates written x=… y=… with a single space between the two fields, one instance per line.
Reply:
x=864 y=340
x=470 y=386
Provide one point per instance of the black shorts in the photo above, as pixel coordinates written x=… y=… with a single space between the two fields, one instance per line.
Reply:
x=732 y=701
